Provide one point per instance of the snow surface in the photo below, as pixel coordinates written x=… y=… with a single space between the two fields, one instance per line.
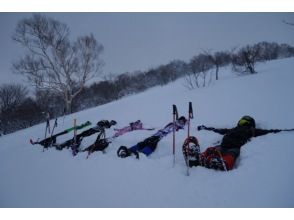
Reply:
x=263 y=176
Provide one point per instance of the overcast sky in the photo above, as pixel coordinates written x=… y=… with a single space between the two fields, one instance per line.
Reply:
x=139 y=41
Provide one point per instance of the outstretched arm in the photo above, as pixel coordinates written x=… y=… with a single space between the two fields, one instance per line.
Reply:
x=216 y=130
x=260 y=132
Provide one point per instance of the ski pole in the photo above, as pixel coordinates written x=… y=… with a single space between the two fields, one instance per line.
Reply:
x=75 y=131
x=47 y=124
x=64 y=110
x=74 y=146
x=55 y=125
x=47 y=127
x=190 y=116
x=175 y=115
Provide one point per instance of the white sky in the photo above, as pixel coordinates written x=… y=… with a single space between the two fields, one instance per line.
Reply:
x=139 y=41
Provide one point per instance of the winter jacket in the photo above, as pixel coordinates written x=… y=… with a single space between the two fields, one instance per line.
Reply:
x=238 y=136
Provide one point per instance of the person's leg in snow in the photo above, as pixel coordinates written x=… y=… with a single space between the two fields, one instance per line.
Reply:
x=147 y=146
x=216 y=158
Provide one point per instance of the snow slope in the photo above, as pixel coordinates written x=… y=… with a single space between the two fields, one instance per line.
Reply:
x=263 y=176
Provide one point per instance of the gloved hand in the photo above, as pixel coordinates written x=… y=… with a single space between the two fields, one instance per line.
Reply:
x=201 y=127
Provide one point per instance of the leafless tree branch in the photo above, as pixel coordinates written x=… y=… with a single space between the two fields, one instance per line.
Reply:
x=52 y=60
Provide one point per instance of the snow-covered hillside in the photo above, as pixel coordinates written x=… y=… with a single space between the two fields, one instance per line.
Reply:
x=263 y=177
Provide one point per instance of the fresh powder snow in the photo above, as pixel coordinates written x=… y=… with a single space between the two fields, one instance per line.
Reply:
x=263 y=176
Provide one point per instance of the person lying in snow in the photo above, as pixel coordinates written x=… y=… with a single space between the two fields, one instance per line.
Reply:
x=223 y=156
x=149 y=145
x=137 y=125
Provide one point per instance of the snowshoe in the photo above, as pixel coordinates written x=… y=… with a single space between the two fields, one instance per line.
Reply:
x=191 y=151
x=212 y=158
x=215 y=162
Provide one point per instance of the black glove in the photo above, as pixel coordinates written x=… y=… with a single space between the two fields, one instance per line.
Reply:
x=201 y=127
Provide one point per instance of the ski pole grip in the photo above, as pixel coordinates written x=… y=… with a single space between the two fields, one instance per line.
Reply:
x=175 y=111
x=191 y=110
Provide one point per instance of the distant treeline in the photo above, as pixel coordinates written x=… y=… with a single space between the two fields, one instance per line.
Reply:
x=18 y=110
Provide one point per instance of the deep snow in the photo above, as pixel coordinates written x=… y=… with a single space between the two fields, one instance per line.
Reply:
x=263 y=176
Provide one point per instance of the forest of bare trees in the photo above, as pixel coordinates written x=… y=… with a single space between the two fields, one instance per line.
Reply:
x=59 y=69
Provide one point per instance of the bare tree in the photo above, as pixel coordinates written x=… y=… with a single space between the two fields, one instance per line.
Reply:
x=246 y=58
x=218 y=59
x=11 y=95
x=54 y=62
x=199 y=66
x=268 y=51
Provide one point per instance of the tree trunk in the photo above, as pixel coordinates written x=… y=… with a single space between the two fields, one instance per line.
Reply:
x=68 y=102
x=68 y=106
x=251 y=69
x=216 y=72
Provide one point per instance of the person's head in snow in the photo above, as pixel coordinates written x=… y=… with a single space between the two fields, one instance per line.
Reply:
x=181 y=121
x=224 y=155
